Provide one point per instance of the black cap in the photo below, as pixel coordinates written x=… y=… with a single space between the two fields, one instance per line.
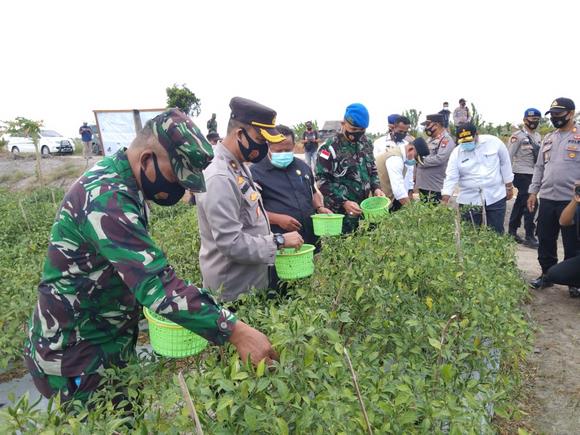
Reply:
x=213 y=135
x=560 y=105
x=256 y=114
x=436 y=117
x=462 y=100
x=465 y=133
x=421 y=147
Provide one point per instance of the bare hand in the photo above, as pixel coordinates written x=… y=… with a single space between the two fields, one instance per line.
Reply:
x=250 y=342
x=532 y=202
x=379 y=192
x=288 y=223
x=352 y=208
x=509 y=193
x=293 y=240
x=445 y=199
x=323 y=210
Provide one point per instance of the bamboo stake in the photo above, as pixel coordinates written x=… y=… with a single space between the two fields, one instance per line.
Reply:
x=189 y=403
x=360 y=401
x=24 y=214
x=458 y=237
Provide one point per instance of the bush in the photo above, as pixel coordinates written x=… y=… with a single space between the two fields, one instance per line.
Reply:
x=435 y=337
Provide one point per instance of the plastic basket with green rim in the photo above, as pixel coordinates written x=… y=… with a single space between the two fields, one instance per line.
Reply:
x=327 y=224
x=294 y=264
x=375 y=208
x=170 y=339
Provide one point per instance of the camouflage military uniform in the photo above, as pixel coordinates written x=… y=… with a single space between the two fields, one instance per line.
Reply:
x=346 y=171
x=101 y=267
x=212 y=125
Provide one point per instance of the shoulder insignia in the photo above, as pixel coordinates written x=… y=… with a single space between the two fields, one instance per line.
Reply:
x=234 y=165
x=325 y=154
x=245 y=188
x=240 y=180
x=298 y=172
x=254 y=196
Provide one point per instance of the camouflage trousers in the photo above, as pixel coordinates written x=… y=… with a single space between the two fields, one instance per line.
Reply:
x=78 y=388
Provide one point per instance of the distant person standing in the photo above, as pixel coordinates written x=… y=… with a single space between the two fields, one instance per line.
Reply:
x=87 y=137
x=310 y=141
x=446 y=114
x=212 y=124
x=524 y=146
x=461 y=114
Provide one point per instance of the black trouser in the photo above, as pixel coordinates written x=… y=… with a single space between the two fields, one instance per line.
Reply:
x=548 y=226
x=395 y=205
x=566 y=273
x=494 y=214
x=522 y=183
x=430 y=196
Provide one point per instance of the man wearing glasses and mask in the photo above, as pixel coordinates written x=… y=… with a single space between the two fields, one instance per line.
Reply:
x=236 y=243
x=346 y=169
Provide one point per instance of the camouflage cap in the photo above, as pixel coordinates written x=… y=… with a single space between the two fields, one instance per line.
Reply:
x=189 y=151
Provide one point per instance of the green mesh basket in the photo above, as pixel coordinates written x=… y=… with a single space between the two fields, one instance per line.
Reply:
x=375 y=208
x=327 y=224
x=170 y=339
x=293 y=264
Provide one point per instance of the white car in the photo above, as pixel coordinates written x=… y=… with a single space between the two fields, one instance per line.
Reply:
x=51 y=142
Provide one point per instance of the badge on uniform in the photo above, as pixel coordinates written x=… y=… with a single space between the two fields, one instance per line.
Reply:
x=240 y=180
x=298 y=172
x=234 y=165
x=325 y=154
x=254 y=196
x=444 y=143
x=572 y=155
x=513 y=139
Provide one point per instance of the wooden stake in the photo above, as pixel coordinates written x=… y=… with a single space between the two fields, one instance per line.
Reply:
x=24 y=214
x=360 y=401
x=458 y=237
x=189 y=403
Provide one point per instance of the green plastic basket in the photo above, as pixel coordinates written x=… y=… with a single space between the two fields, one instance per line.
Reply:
x=375 y=208
x=170 y=339
x=327 y=224
x=293 y=264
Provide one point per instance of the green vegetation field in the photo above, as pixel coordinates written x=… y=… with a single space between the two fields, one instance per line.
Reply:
x=435 y=334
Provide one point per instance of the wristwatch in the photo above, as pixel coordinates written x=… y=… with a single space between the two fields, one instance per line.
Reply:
x=279 y=240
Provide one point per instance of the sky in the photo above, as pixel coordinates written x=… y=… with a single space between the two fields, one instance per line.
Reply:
x=306 y=59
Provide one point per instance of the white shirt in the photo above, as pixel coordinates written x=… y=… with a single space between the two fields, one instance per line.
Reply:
x=481 y=173
x=400 y=185
x=383 y=144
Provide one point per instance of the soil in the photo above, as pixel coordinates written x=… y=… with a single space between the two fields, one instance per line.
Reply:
x=551 y=394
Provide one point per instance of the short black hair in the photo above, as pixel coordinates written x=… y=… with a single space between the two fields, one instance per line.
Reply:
x=445 y=102
x=286 y=131
x=403 y=119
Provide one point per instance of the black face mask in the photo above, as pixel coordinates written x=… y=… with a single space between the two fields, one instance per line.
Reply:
x=255 y=151
x=559 y=121
x=532 y=125
x=308 y=128
x=353 y=136
x=399 y=136
x=429 y=131
x=161 y=191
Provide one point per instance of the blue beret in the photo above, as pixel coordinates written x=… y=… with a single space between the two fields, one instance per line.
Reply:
x=393 y=118
x=532 y=112
x=357 y=115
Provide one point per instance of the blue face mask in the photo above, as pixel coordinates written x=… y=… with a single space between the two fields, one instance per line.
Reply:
x=468 y=146
x=410 y=162
x=282 y=160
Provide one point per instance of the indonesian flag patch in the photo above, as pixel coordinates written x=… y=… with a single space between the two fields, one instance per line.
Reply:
x=325 y=154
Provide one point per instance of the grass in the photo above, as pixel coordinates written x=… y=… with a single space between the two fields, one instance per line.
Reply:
x=13 y=177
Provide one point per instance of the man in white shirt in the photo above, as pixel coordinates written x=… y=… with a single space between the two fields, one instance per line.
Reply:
x=398 y=134
x=480 y=165
x=395 y=169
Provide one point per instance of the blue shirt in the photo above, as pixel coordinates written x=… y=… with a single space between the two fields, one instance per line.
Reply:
x=287 y=191
x=86 y=133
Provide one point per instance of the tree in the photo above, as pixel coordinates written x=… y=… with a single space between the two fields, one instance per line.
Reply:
x=413 y=116
x=182 y=98
x=28 y=128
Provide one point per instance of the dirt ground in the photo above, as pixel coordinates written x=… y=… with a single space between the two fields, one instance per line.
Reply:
x=551 y=396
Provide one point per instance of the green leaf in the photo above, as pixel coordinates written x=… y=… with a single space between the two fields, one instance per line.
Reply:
x=282 y=426
x=447 y=372
x=435 y=343
x=261 y=368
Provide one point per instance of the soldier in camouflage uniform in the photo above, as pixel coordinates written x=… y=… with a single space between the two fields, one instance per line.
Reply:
x=102 y=266
x=212 y=124
x=346 y=168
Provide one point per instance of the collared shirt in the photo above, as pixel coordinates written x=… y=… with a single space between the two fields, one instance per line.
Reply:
x=86 y=133
x=287 y=191
x=481 y=174
x=101 y=267
x=558 y=165
x=461 y=115
x=401 y=180
x=431 y=173
x=236 y=243
x=521 y=145
x=385 y=143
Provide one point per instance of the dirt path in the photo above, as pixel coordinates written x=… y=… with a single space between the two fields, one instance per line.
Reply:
x=553 y=396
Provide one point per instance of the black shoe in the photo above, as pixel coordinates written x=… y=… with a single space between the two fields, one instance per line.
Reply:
x=574 y=292
x=541 y=282
x=517 y=238
x=531 y=242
